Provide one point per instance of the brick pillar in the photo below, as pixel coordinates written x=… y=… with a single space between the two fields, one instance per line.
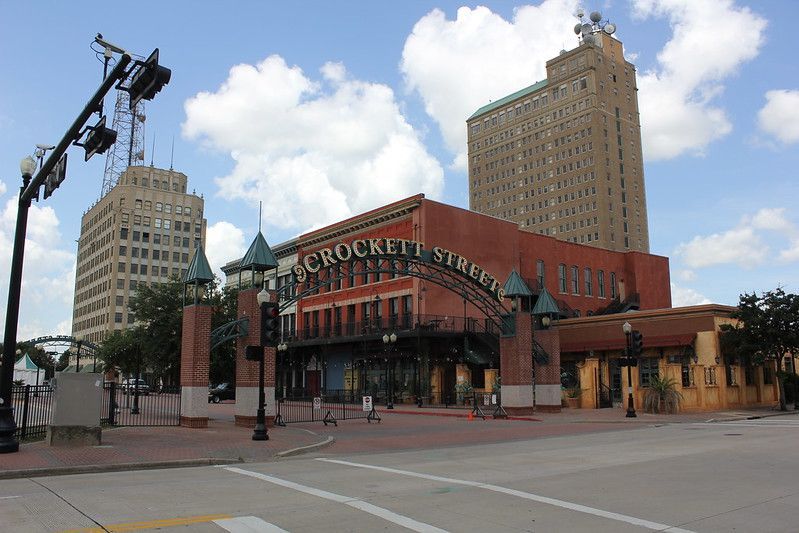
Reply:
x=547 y=377
x=195 y=353
x=247 y=371
x=516 y=367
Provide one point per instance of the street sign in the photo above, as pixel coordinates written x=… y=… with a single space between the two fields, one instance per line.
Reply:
x=367 y=403
x=56 y=176
x=317 y=404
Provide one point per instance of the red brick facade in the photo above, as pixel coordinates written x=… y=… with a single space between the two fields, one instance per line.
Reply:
x=247 y=371
x=195 y=348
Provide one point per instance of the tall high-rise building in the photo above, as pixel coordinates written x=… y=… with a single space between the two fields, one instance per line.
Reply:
x=562 y=157
x=143 y=231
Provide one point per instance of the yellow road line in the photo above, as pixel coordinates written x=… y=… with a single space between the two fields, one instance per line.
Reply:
x=152 y=524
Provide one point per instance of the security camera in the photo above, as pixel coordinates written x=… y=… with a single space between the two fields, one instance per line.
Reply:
x=45 y=147
x=108 y=46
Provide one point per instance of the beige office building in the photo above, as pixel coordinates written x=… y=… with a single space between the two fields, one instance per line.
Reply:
x=143 y=231
x=563 y=156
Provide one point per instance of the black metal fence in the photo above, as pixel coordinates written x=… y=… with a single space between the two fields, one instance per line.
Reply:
x=327 y=409
x=32 y=406
x=123 y=407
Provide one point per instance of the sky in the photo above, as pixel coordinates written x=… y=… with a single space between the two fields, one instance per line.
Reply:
x=323 y=110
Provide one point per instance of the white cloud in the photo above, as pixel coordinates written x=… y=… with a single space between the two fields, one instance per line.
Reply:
x=745 y=243
x=780 y=116
x=315 y=151
x=686 y=275
x=683 y=296
x=459 y=65
x=676 y=98
x=48 y=272
x=224 y=243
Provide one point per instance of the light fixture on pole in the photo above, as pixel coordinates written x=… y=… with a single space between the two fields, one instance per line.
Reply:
x=390 y=342
x=269 y=314
x=628 y=330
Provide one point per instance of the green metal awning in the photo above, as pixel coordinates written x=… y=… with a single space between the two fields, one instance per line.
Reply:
x=259 y=256
x=199 y=270
x=515 y=286
x=545 y=305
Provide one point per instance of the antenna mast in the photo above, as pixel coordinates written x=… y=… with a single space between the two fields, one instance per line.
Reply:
x=129 y=148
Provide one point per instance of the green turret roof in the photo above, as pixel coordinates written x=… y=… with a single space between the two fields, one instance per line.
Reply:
x=259 y=256
x=199 y=270
x=546 y=304
x=515 y=286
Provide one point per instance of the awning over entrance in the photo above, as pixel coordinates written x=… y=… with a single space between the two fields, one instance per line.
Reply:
x=658 y=341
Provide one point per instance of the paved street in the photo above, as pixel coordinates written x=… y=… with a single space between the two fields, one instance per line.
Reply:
x=695 y=476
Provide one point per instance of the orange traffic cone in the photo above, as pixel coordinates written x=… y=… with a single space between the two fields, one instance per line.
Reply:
x=470 y=417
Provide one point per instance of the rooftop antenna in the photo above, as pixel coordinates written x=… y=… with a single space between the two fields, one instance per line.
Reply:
x=587 y=31
x=152 y=154
x=260 y=207
x=172 y=155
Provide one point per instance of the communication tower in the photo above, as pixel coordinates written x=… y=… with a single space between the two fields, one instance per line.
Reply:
x=129 y=148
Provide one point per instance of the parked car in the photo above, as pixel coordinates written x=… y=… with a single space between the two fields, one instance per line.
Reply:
x=131 y=385
x=223 y=391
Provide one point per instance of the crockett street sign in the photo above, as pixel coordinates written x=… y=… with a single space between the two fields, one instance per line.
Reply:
x=399 y=249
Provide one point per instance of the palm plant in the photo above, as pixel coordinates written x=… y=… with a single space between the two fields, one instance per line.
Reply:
x=662 y=394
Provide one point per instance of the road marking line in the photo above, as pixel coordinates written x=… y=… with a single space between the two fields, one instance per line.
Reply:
x=151 y=524
x=355 y=503
x=521 y=494
x=9 y=497
x=749 y=424
x=248 y=524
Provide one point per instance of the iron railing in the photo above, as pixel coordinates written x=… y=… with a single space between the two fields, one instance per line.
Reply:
x=133 y=408
x=324 y=408
x=32 y=406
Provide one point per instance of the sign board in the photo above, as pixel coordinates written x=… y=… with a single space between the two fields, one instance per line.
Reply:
x=317 y=404
x=367 y=403
x=486 y=399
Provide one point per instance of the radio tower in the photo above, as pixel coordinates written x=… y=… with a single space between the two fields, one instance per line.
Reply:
x=129 y=148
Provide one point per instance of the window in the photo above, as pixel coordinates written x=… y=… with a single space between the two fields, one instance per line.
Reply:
x=156 y=238
x=187 y=210
x=118 y=318
x=159 y=207
x=148 y=205
x=134 y=252
x=687 y=373
x=589 y=288
x=575 y=280
x=710 y=376
x=123 y=233
x=138 y=204
x=600 y=279
x=120 y=300
x=768 y=375
x=612 y=284
x=123 y=250
x=167 y=223
x=157 y=222
x=749 y=375
x=134 y=268
x=167 y=208
x=730 y=374
x=562 y=277
x=120 y=284
x=647 y=369
x=136 y=236
x=156 y=255
x=539 y=272
x=178 y=209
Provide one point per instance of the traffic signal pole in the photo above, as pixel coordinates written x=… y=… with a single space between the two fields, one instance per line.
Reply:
x=629 y=354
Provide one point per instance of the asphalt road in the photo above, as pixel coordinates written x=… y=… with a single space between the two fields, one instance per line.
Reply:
x=702 y=477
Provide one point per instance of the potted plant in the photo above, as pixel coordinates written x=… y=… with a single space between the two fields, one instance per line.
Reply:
x=573 y=397
x=463 y=390
x=662 y=395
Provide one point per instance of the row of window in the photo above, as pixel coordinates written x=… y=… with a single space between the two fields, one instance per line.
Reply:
x=177 y=185
x=588 y=280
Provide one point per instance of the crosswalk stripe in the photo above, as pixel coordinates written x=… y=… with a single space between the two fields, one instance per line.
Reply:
x=248 y=524
x=521 y=494
x=355 y=503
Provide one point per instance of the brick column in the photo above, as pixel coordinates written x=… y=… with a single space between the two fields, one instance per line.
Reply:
x=195 y=353
x=247 y=371
x=547 y=377
x=516 y=367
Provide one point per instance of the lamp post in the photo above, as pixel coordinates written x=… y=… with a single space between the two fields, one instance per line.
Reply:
x=389 y=342
x=628 y=329
x=8 y=444
x=260 y=432
x=135 y=409
x=79 y=342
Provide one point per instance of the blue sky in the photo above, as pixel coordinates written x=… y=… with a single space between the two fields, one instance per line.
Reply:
x=326 y=109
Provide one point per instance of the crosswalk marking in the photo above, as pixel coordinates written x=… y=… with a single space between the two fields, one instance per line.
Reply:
x=355 y=503
x=248 y=524
x=521 y=494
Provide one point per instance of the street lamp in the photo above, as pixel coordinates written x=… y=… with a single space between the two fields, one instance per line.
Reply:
x=389 y=342
x=260 y=432
x=628 y=330
x=79 y=342
x=8 y=444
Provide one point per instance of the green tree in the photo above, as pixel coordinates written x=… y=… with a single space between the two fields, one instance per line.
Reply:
x=158 y=310
x=767 y=330
x=122 y=351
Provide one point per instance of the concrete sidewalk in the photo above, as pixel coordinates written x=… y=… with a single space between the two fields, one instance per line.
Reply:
x=406 y=426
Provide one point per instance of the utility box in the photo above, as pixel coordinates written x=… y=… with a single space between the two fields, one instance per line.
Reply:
x=77 y=402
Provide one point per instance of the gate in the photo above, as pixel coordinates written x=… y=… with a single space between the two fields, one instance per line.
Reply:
x=131 y=407
x=32 y=406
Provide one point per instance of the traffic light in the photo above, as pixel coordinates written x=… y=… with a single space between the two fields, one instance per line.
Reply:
x=99 y=139
x=270 y=324
x=148 y=80
x=56 y=177
x=637 y=344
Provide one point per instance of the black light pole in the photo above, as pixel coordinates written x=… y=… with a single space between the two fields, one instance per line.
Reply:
x=260 y=432
x=8 y=444
x=135 y=409
x=389 y=342
x=77 y=362
x=628 y=329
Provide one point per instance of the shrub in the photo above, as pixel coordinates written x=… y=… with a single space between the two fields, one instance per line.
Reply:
x=662 y=394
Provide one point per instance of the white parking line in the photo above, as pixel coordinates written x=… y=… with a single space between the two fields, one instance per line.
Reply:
x=526 y=495
x=248 y=524
x=355 y=503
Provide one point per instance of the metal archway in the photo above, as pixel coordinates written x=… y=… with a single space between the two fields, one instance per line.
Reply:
x=53 y=340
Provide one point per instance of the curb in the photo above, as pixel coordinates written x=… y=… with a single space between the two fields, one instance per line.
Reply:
x=455 y=415
x=118 y=467
x=754 y=417
x=311 y=447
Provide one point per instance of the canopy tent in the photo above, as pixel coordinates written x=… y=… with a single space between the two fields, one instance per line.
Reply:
x=26 y=370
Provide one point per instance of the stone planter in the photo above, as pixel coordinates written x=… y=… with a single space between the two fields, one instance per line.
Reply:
x=573 y=403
